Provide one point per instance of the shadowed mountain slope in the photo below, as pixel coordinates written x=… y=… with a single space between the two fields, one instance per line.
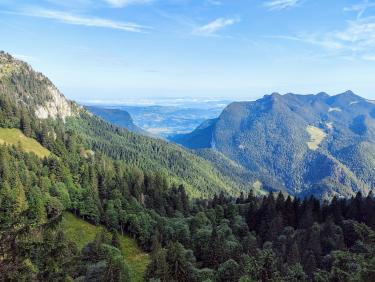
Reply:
x=310 y=144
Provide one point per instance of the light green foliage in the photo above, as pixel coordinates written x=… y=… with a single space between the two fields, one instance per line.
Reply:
x=12 y=136
x=82 y=233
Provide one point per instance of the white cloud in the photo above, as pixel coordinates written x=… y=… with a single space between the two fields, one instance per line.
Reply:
x=212 y=27
x=281 y=4
x=360 y=8
x=123 y=3
x=356 y=40
x=369 y=57
x=69 y=18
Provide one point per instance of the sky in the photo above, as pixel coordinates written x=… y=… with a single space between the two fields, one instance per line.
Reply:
x=235 y=49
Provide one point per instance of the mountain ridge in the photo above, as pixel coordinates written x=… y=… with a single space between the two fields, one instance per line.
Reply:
x=30 y=100
x=117 y=117
x=289 y=136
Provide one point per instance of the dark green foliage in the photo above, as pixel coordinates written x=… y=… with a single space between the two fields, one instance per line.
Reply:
x=270 y=138
x=217 y=239
x=103 y=262
x=154 y=155
x=306 y=250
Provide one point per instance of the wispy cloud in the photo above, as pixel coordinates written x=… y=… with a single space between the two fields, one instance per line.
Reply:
x=74 y=19
x=360 y=8
x=321 y=40
x=356 y=40
x=123 y=3
x=369 y=57
x=281 y=4
x=213 y=27
x=213 y=2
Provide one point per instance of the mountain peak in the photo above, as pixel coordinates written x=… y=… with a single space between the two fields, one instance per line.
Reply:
x=322 y=94
x=46 y=102
x=348 y=92
x=275 y=94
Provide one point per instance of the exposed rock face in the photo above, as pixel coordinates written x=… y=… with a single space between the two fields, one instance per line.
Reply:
x=58 y=107
x=33 y=90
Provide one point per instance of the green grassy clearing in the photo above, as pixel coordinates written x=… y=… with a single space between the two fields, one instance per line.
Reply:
x=13 y=136
x=82 y=233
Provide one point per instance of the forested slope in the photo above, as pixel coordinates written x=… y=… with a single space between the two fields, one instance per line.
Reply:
x=309 y=144
x=130 y=184
x=117 y=117
x=29 y=97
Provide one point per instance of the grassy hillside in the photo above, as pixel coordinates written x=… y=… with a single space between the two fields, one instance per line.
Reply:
x=317 y=135
x=82 y=233
x=12 y=136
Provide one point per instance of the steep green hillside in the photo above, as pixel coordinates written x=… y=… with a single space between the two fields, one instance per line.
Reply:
x=259 y=184
x=200 y=177
x=201 y=137
x=12 y=136
x=82 y=233
x=313 y=144
x=29 y=101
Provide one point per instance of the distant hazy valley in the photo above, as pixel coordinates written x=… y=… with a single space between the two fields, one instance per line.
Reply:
x=163 y=118
x=303 y=144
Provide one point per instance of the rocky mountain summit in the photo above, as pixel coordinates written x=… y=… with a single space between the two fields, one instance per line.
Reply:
x=17 y=78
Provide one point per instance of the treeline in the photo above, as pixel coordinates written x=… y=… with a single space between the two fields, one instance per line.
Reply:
x=274 y=238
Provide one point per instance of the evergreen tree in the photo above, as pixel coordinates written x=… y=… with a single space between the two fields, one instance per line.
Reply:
x=25 y=124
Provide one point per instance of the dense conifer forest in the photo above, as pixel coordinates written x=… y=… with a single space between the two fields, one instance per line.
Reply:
x=91 y=172
x=249 y=238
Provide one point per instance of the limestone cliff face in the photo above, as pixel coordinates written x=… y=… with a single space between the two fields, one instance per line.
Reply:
x=57 y=107
x=32 y=89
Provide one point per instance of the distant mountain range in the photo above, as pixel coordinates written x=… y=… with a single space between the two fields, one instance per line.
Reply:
x=117 y=117
x=305 y=144
x=160 y=120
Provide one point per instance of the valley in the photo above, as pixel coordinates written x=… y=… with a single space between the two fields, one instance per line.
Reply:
x=162 y=120
x=187 y=141
x=278 y=189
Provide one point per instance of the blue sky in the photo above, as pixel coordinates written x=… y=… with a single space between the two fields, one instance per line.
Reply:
x=239 y=49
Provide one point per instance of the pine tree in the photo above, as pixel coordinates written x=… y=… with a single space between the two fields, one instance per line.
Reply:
x=293 y=256
x=25 y=124
x=158 y=268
